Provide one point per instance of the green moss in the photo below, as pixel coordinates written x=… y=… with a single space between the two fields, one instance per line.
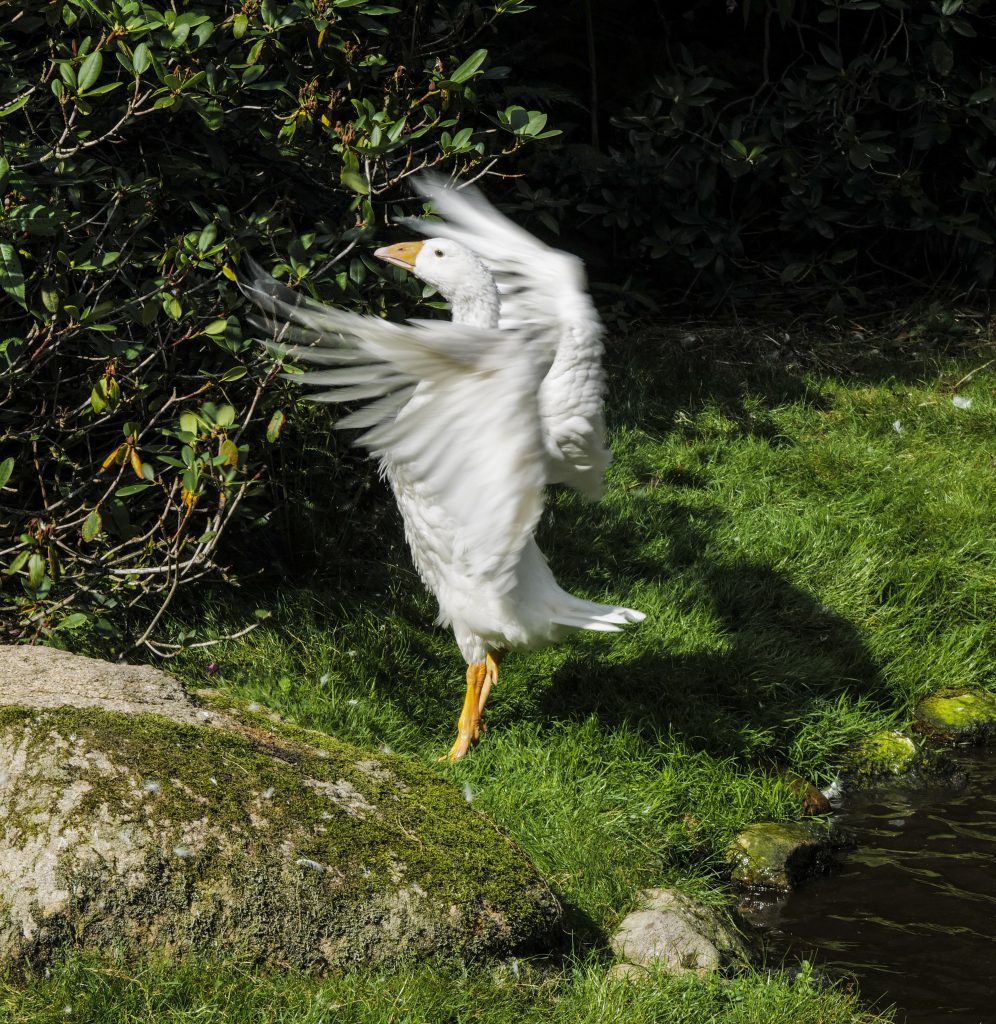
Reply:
x=884 y=753
x=779 y=855
x=381 y=827
x=432 y=805
x=959 y=715
x=889 y=754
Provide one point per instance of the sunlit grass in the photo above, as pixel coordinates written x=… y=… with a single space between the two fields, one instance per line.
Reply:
x=189 y=992
x=814 y=550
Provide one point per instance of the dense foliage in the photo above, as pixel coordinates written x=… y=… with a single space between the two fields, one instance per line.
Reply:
x=143 y=148
x=837 y=146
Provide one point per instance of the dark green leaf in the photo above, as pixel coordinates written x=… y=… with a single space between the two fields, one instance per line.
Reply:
x=793 y=272
x=468 y=68
x=11 y=274
x=89 y=70
x=831 y=56
x=141 y=58
x=941 y=56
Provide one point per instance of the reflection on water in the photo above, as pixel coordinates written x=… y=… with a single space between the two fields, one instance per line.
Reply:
x=912 y=913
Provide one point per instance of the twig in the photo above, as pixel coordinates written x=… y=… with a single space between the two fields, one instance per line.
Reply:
x=971 y=374
x=180 y=648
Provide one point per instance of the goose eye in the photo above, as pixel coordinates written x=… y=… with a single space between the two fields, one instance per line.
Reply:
x=438 y=252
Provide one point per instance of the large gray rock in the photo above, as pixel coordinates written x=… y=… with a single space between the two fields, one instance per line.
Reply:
x=674 y=934
x=136 y=818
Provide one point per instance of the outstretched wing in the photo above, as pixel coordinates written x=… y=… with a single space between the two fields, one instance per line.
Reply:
x=450 y=408
x=544 y=297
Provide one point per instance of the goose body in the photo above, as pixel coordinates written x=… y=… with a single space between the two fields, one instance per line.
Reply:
x=470 y=419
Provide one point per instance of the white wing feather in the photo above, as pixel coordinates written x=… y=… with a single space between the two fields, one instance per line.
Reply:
x=544 y=296
x=454 y=413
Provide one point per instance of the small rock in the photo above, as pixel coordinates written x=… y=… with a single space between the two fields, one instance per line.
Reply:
x=672 y=932
x=811 y=800
x=780 y=855
x=960 y=716
x=892 y=755
x=628 y=972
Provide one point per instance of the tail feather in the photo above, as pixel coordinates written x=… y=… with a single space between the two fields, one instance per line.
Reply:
x=602 y=618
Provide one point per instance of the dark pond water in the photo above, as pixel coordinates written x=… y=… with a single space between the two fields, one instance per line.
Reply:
x=912 y=913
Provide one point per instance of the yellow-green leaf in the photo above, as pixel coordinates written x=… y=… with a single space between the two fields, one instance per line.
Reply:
x=274 y=427
x=73 y=621
x=172 y=307
x=469 y=67
x=229 y=451
x=355 y=181
x=91 y=525
x=225 y=416
x=36 y=571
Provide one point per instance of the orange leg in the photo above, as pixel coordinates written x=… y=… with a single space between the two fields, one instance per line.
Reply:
x=491 y=663
x=469 y=725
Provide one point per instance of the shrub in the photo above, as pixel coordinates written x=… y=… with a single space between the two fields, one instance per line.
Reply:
x=141 y=151
x=824 y=148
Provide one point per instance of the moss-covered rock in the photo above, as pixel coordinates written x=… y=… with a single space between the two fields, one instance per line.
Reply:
x=883 y=754
x=780 y=855
x=960 y=716
x=889 y=756
x=203 y=829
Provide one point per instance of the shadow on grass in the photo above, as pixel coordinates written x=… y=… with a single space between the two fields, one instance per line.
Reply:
x=743 y=370
x=772 y=656
x=651 y=385
x=784 y=660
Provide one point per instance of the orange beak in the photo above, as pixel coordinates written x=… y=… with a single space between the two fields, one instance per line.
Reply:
x=401 y=255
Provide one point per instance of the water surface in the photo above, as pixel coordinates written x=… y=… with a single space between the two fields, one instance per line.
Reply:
x=912 y=913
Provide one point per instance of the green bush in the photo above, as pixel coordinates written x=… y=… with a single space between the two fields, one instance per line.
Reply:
x=825 y=148
x=142 y=149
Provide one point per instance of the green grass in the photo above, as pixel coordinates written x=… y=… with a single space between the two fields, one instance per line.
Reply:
x=809 y=529
x=112 y=992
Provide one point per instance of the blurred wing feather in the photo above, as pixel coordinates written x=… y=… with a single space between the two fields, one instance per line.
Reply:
x=454 y=413
x=544 y=296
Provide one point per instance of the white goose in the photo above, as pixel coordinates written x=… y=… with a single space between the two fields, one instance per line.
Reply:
x=470 y=419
